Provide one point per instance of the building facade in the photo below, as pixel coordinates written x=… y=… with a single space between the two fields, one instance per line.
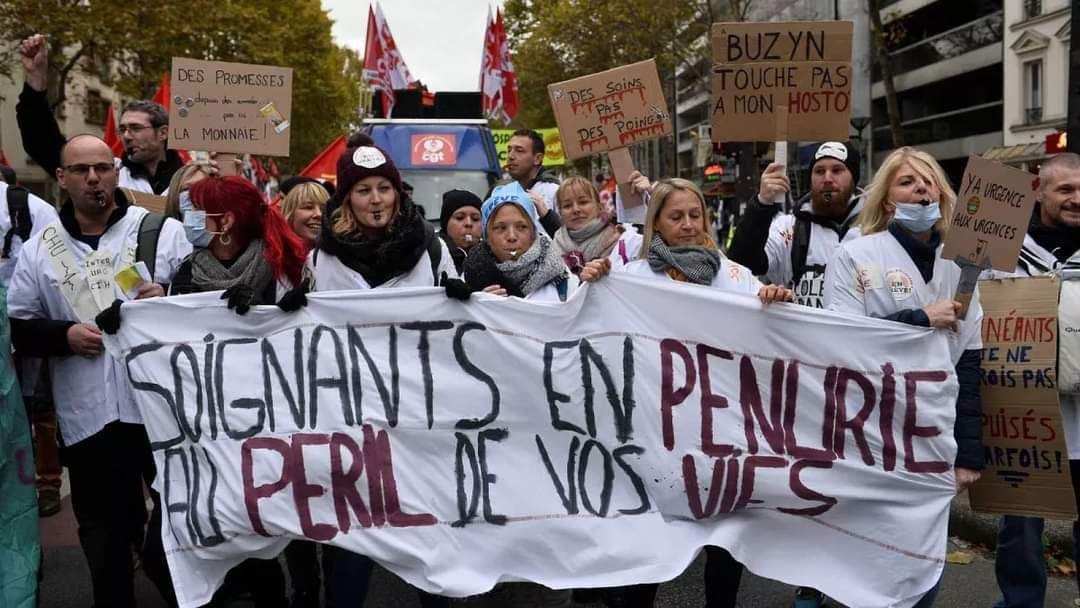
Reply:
x=1036 y=79
x=946 y=58
x=89 y=98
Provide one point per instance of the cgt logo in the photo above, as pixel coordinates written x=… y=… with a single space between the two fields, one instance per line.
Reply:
x=434 y=149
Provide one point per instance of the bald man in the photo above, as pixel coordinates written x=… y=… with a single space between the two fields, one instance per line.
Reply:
x=52 y=302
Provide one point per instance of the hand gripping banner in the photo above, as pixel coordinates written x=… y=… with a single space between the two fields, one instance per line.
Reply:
x=599 y=442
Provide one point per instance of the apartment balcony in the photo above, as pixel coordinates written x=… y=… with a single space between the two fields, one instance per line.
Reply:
x=974 y=120
x=971 y=36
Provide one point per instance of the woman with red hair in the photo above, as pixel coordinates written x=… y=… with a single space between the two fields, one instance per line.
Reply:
x=243 y=245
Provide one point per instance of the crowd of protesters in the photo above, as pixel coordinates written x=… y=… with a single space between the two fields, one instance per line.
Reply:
x=532 y=236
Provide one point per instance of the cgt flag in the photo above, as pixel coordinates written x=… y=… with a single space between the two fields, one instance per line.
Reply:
x=491 y=81
x=509 y=80
x=383 y=65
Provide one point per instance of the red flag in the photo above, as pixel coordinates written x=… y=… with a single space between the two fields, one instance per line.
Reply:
x=161 y=96
x=273 y=169
x=260 y=173
x=509 y=80
x=490 y=71
x=3 y=159
x=384 y=67
x=110 y=135
x=324 y=166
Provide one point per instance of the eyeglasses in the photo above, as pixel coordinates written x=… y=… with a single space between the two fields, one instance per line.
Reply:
x=133 y=129
x=82 y=170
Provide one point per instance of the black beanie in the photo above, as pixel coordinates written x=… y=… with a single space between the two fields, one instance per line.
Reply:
x=452 y=200
x=841 y=151
x=355 y=164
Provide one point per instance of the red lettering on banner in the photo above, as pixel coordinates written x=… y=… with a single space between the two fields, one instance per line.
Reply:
x=375 y=458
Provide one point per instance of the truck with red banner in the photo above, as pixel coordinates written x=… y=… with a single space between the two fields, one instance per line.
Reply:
x=438 y=144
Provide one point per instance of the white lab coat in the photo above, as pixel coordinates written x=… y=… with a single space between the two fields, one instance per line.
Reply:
x=874 y=276
x=89 y=393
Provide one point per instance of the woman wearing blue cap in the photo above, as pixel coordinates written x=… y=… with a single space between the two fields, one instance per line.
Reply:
x=516 y=256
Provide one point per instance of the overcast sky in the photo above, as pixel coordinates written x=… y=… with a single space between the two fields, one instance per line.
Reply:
x=440 y=40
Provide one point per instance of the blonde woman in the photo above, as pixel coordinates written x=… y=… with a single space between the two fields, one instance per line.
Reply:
x=895 y=271
x=180 y=182
x=303 y=209
x=588 y=232
x=677 y=247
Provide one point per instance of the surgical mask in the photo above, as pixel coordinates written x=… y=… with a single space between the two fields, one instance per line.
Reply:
x=195 y=222
x=916 y=217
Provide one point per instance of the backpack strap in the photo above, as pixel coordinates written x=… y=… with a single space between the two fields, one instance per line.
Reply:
x=149 y=233
x=18 y=201
x=800 y=246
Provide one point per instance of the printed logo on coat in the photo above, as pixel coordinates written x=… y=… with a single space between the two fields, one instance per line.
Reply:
x=734 y=272
x=434 y=149
x=899 y=283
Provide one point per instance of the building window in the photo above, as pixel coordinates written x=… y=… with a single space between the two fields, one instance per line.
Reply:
x=97 y=108
x=1032 y=8
x=1033 y=92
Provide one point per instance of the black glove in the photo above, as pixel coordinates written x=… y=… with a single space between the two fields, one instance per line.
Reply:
x=455 y=288
x=240 y=298
x=108 y=320
x=296 y=298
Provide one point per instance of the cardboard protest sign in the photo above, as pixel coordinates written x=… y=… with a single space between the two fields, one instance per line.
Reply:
x=230 y=107
x=803 y=66
x=611 y=109
x=462 y=443
x=993 y=209
x=1027 y=463
x=553 y=152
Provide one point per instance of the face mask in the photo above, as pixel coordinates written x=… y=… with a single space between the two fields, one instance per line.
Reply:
x=195 y=222
x=916 y=217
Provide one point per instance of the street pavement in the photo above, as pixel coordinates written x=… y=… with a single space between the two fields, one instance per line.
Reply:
x=66 y=582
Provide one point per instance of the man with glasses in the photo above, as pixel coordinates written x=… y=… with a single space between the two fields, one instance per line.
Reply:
x=146 y=166
x=63 y=281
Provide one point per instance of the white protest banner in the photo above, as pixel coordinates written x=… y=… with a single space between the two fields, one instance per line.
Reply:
x=599 y=442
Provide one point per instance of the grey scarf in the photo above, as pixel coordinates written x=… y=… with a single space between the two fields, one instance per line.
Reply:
x=538 y=266
x=593 y=242
x=250 y=269
x=700 y=264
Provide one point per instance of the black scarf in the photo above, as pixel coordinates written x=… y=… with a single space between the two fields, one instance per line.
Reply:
x=481 y=271
x=922 y=253
x=1062 y=241
x=406 y=240
x=456 y=253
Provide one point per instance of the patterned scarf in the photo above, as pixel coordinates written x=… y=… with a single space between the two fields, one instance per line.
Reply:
x=250 y=269
x=538 y=266
x=593 y=242
x=694 y=263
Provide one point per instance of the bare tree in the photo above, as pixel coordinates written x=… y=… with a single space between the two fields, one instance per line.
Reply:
x=881 y=56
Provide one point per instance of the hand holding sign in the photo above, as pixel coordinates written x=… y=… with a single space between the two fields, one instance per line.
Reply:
x=610 y=110
x=993 y=208
x=760 y=69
